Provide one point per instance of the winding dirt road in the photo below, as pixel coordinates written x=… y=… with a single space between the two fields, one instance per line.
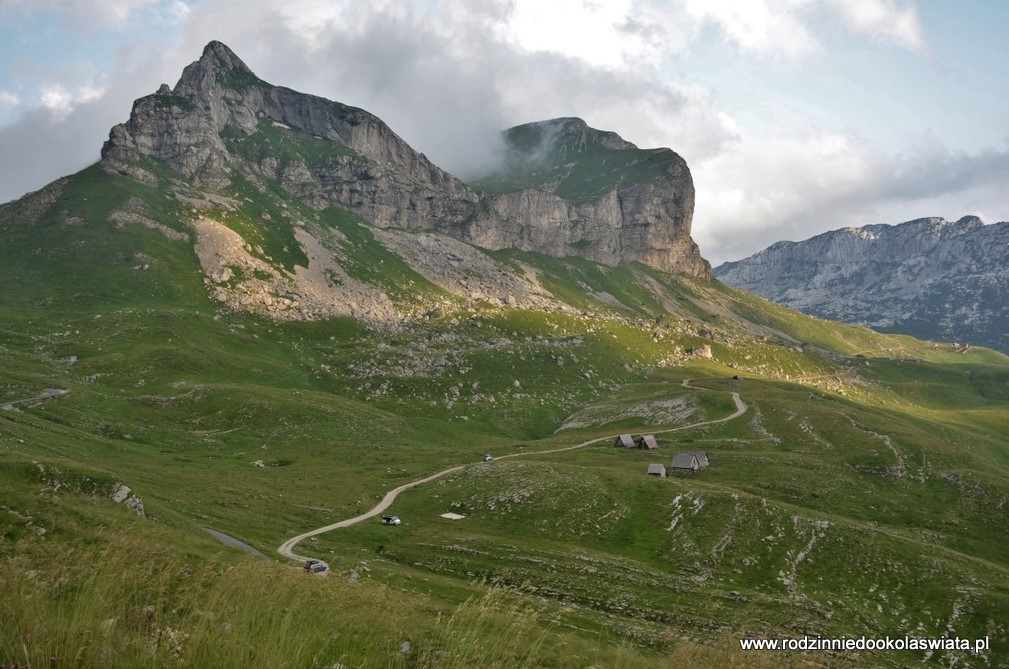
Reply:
x=287 y=548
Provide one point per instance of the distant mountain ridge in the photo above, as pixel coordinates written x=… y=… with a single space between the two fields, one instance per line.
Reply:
x=930 y=278
x=620 y=204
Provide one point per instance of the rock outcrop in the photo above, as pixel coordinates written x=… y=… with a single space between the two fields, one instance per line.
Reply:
x=210 y=123
x=930 y=278
x=569 y=190
x=122 y=494
x=606 y=200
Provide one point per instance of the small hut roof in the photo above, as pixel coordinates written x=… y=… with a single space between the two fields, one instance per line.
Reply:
x=702 y=458
x=685 y=461
x=648 y=441
x=657 y=469
x=624 y=441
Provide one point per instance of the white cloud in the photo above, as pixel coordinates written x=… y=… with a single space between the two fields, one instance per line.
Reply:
x=760 y=26
x=310 y=18
x=767 y=181
x=610 y=34
x=886 y=19
x=54 y=141
x=449 y=82
x=792 y=185
x=57 y=100
x=8 y=99
x=61 y=101
x=177 y=11
x=788 y=27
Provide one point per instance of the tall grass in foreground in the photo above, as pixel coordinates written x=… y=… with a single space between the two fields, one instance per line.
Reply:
x=119 y=602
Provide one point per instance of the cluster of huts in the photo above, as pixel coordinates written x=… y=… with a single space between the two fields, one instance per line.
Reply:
x=683 y=463
x=645 y=441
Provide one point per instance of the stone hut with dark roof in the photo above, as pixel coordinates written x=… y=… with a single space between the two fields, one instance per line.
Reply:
x=685 y=462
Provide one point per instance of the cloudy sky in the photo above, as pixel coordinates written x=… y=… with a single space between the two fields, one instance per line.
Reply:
x=795 y=116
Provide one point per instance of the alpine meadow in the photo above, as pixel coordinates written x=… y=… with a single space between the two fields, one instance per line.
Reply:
x=261 y=311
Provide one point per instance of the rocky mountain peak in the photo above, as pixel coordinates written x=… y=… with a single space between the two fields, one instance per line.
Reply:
x=217 y=68
x=559 y=140
x=936 y=225
x=566 y=189
x=929 y=277
x=216 y=58
x=588 y=192
x=966 y=224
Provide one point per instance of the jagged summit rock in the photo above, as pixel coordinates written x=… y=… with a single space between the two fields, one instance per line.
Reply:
x=219 y=75
x=212 y=121
x=565 y=189
x=216 y=57
x=929 y=277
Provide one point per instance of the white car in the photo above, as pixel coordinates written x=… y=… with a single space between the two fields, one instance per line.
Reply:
x=391 y=520
x=315 y=567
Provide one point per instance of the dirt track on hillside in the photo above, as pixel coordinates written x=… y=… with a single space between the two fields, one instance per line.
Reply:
x=287 y=548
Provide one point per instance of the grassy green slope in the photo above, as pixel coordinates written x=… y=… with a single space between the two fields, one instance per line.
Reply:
x=864 y=492
x=68 y=256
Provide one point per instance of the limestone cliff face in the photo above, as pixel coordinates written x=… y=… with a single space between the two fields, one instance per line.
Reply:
x=570 y=190
x=639 y=223
x=929 y=277
x=605 y=199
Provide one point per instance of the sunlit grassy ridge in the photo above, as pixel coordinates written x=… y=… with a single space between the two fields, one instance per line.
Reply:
x=865 y=491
